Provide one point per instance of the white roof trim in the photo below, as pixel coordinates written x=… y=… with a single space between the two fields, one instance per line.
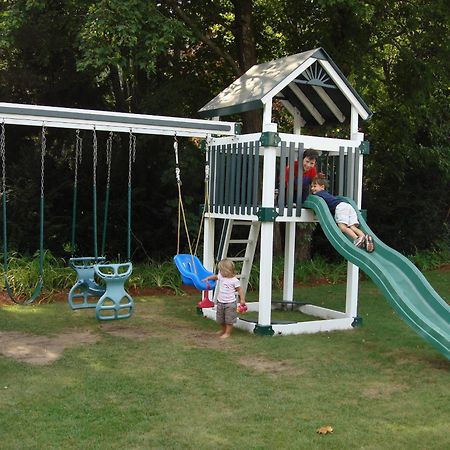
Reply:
x=344 y=89
x=330 y=103
x=294 y=74
x=308 y=105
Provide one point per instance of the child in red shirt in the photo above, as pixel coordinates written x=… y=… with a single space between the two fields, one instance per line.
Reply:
x=309 y=172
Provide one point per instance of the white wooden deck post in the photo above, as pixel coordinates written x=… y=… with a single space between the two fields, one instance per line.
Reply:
x=289 y=262
x=266 y=247
x=351 y=299
x=290 y=234
x=208 y=247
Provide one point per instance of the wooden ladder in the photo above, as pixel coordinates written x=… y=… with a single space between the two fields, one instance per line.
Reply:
x=239 y=246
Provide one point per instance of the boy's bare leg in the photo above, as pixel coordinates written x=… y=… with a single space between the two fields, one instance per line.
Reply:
x=357 y=231
x=227 y=332
x=347 y=230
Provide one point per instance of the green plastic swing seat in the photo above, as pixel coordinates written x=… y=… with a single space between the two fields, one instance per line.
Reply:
x=86 y=291
x=115 y=303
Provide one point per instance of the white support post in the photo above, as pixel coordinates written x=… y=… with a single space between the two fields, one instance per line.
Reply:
x=267 y=117
x=289 y=262
x=289 y=235
x=351 y=299
x=266 y=248
x=208 y=247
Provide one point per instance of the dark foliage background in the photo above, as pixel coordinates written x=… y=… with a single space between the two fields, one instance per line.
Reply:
x=172 y=57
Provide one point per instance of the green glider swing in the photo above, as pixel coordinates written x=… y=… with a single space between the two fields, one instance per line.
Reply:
x=86 y=291
x=114 y=302
x=40 y=283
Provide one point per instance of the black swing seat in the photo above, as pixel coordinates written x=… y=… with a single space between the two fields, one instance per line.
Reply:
x=86 y=291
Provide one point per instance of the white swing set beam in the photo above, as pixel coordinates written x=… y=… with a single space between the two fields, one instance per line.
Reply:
x=87 y=119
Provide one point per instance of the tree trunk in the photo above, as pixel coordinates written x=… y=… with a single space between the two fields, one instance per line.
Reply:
x=246 y=51
x=303 y=241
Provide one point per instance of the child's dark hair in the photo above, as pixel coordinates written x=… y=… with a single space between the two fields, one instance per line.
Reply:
x=311 y=153
x=321 y=181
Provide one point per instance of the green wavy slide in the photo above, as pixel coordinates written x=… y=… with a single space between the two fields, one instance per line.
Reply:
x=403 y=285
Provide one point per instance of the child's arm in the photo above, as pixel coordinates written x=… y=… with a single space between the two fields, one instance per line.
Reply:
x=241 y=295
x=211 y=277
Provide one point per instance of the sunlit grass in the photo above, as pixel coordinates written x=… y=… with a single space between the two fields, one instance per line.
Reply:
x=162 y=379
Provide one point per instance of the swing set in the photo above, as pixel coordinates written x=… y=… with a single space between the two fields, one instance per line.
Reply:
x=113 y=298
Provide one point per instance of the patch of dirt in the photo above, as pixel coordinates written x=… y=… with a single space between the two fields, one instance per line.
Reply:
x=266 y=366
x=41 y=350
x=119 y=330
x=382 y=390
x=444 y=268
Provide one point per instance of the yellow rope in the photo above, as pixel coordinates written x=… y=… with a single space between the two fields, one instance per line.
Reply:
x=181 y=209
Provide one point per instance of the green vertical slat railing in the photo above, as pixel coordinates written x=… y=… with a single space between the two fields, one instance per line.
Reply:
x=227 y=179
x=221 y=181
x=290 y=189
x=356 y=171
x=244 y=177
x=256 y=177
x=299 y=199
x=331 y=173
x=239 y=178
x=232 y=176
x=212 y=187
x=341 y=173
x=282 y=178
x=350 y=173
x=250 y=178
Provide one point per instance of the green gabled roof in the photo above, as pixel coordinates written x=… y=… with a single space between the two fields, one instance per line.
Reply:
x=287 y=78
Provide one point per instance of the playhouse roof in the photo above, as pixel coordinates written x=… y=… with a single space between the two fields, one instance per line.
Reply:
x=309 y=83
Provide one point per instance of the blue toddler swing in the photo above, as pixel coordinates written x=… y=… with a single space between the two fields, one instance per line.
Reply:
x=190 y=267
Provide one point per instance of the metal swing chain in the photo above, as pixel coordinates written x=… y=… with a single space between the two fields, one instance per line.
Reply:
x=3 y=193
x=131 y=154
x=131 y=160
x=78 y=156
x=77 y=160
x=3 y=156
x=43 y=152
x=41 y=231
x=94 y=189
x=94 y=158
x=109 y=143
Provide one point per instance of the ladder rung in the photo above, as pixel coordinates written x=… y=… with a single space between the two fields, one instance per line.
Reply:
x=240 y=241
x=237 y=258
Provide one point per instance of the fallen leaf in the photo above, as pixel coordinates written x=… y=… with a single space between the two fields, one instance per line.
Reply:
x=324 y=430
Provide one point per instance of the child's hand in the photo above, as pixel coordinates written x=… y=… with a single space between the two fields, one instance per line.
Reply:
x=242 y=308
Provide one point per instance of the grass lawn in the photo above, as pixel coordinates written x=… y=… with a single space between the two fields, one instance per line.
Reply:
x=163 y=380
